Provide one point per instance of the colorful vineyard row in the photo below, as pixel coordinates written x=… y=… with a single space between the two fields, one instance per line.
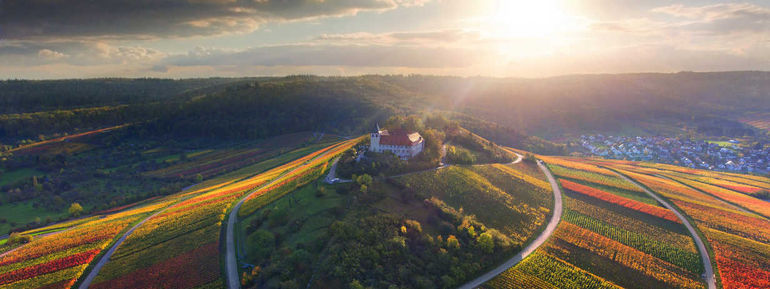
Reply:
x=739 y=240
x=624 y=255
x=59 y=259
x=167 y=247
x=577 y=164
x=604 y=180
x=554 y=271
x=610 y=236
x=674 y=255
x=751 y=203
x=613 y=199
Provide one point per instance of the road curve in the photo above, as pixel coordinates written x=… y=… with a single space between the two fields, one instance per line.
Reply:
x=106 y=257
x=231 y=261
x=555 y=218
x=708 y=274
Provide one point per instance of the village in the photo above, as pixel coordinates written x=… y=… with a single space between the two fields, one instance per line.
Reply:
x=701 y=154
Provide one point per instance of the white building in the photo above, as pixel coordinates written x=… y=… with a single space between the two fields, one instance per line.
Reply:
x=402 y=143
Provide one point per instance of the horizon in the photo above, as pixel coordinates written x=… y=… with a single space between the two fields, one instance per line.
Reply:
x=505 y=39
x=394 y=75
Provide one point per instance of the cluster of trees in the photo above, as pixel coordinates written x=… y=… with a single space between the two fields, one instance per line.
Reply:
x=468 y=148
x=388 y=251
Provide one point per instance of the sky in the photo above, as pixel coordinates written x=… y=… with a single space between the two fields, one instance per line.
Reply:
x=47 y=39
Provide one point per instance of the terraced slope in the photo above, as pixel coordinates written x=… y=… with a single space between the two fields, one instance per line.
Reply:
x=611 y=235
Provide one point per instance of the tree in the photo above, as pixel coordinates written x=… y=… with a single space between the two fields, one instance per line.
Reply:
x=355 y=284
x=35 y=184
x=198 y=178
x=18 y=238
x=364 y=180
x=75 y=209
x=486 y=243
x=452 y=242
x=530 y=158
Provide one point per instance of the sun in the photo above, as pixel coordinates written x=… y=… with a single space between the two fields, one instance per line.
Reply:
x=527 y=18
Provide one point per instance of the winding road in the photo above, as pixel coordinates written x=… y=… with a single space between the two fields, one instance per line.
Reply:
x=106 y=257
x=231 y=261
x=708 y=276
x=555 y=218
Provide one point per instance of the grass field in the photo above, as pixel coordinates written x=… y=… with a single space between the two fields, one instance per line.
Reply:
x=21 y=213
x=11 y=177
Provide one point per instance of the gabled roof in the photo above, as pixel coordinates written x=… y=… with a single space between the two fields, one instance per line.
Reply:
x=399 y=137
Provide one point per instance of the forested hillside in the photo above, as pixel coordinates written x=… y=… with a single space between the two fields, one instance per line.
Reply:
x=504 y=110
x=231 y=109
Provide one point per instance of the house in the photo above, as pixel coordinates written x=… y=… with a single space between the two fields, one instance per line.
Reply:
x=402 y=143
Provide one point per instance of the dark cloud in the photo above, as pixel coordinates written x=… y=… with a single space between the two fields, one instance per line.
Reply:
x=28 y=19
x=329 y=55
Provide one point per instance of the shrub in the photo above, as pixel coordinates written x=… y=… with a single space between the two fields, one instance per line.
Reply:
x=75 y=209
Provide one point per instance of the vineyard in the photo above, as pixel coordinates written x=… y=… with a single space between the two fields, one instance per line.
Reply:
x=734 y=223
x=611 y=235
x=59 y=259
x=179 y=246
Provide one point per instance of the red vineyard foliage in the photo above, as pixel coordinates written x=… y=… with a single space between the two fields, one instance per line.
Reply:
x=52 y=266
x=194 y=268
x=738 y=275
x=614 y=199
x=742 y=189
x=48 y=250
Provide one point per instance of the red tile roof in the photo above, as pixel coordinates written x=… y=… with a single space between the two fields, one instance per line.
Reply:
x=399 y=137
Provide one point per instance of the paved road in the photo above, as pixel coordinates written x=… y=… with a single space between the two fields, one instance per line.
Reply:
x=231 y=261
x=557 y=211
x=708 y=276
x=106 y=257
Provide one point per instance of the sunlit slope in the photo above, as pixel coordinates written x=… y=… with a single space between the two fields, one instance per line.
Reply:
x=611 y=235
x=177 y=247
x=180 y=248
x=58 y=260
x=734 y=223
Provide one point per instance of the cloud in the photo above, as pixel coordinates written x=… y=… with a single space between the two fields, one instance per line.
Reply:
x=80 y=53
x=329 y=55
x=427 y=38
x=716 y=11
x=50 y=54
x=720 y=18
x=45 y=19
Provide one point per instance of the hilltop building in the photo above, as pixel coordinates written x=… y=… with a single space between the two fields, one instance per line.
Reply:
x=403 y=143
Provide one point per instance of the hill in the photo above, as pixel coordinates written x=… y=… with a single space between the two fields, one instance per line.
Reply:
x=625 y=226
